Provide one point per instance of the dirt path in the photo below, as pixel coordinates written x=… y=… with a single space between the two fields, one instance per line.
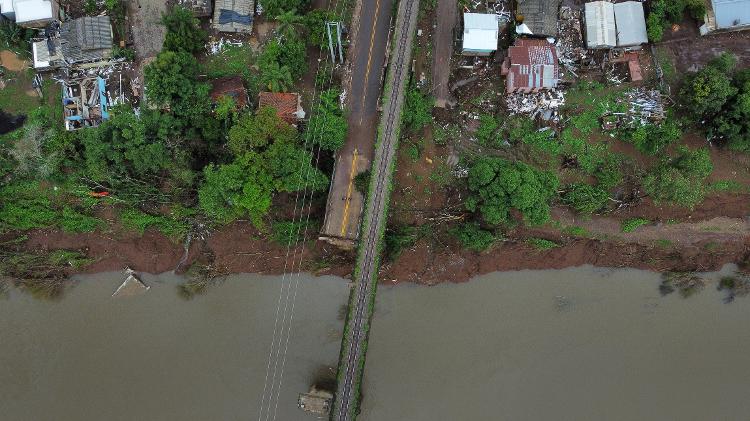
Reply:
x=10 y=61
x=441 y=68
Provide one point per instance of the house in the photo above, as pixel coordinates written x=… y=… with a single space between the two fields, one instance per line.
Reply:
x=726 y=15
x=30 y=13
x=611 y=25
x=288 y=106
x=531 y=66
x=480 y=34
x=631 y=24
x=538 y=17
x=600 y=24
x=81 y=42
x=234 y=15
x=231 y=87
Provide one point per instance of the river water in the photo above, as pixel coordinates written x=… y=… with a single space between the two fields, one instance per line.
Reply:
x=577 y=344
x=157 y=356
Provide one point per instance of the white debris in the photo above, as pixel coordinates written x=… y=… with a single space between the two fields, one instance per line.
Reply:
x=545 y=104
x=215 y=47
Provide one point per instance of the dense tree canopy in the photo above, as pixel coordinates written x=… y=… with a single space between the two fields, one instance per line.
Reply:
x=183 y=31
x=267 y=159
x=498 y=185
x=328 y=125
x=278 y=7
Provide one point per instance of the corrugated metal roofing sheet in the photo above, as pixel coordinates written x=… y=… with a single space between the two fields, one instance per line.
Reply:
x=631 y=24
x=600 y=25
x=731 y=13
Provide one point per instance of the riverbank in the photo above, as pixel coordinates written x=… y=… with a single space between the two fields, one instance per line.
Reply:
x=705 y=244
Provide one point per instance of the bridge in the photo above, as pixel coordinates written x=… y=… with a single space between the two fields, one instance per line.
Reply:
x=354 y=343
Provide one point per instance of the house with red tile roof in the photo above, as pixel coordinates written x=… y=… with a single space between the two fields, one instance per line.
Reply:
x=288 y=105
x=232 y=87
x=531 y=66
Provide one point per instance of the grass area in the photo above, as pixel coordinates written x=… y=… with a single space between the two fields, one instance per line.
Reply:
x=233 y=60
x=173 y=227
x=542 y=244
x=630 y=225
x=18 y=97
x=726 y=186
x=577 y=231
x=669 y=70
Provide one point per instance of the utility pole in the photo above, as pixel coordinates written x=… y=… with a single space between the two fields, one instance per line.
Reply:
x=330 y=27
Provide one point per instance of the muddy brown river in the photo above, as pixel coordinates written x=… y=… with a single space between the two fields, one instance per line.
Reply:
x=576 y=344
x=160 y=357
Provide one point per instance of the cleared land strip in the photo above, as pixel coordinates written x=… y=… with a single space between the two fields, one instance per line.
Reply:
x=354 y=344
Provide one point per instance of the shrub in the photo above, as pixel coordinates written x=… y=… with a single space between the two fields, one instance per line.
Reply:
x=328 y=126
x=362 y=181
x=653 y=138
x=399 y=238
x=138 y=221
x=679 y=180
x=183 y=31
x=585 y=199
x=542 y=244
x=285 y=233
x=487 y=131
x=630 y=225
x=417 y=109
x=473 y=237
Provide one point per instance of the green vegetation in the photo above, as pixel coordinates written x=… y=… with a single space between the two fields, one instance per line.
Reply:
x=362 y=181
x=718 y=97
x=726 y=186
x=285 y=233
x=16 y=38
x=282 y=62
x=585 y=199
x=487 y=132
x=328 y=126
x=399 y=238
x=496 y=186
x=630 y=225
x=663 y=13
x=417 y=113
x=542 y=244
x=171 y=226
x=183 y=31
x=654 y=138
x=473 y=237
x=680 y=179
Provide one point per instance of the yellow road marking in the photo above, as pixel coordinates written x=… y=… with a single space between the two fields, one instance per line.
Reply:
x=352 y=174
x=369 y=56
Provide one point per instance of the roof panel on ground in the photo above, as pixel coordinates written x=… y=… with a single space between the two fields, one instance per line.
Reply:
x=731 y=13
x=600 y=25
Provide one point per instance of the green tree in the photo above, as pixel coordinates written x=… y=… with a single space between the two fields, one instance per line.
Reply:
x=653 y=138
x=288 y=23
x=277 y=7
x=496 y=186
x=315 y=23
x=417 y=109
x=289 y=52
x=585 y=199
x=487 y=132
x=183 y=31
x=257 y=131
x=276 y=78
x=473 y=237
x=680 y=180
x=706 y=92
x=328 y=126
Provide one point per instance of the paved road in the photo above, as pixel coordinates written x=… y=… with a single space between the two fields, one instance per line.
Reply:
x=344 y=208
x=351 y=365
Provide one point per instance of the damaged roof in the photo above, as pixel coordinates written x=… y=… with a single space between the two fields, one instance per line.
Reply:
x=531 y=65
x=86 y=39
x=540 y=16
x=232 y=87
x=234 y=15
x=287 y=105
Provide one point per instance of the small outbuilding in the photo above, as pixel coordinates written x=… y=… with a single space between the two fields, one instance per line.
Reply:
x=234 y=16
x=288 y=105
x=631 y=24
x=539 y=17
x=232 y=87
x=727 y=15
x=31 y=13
x=601 y=31
x=480 y=34
x=531 y=66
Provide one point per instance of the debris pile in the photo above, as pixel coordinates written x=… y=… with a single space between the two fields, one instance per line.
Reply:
x=645 y=106
x=544 y=104
x=215 y=47
x=569 y=44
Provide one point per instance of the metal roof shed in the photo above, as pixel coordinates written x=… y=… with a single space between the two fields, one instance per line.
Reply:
x=600 y=25
x=731 y=13
x=480 y=33
x=631 y=24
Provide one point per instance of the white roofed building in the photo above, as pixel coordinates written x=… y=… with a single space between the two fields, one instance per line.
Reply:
x=601 y=31
x=631 y=24
x=32 y=13
x=480 y=34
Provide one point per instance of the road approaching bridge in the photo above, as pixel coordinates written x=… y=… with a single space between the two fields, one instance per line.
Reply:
x=345 y=202
x=354 y=343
